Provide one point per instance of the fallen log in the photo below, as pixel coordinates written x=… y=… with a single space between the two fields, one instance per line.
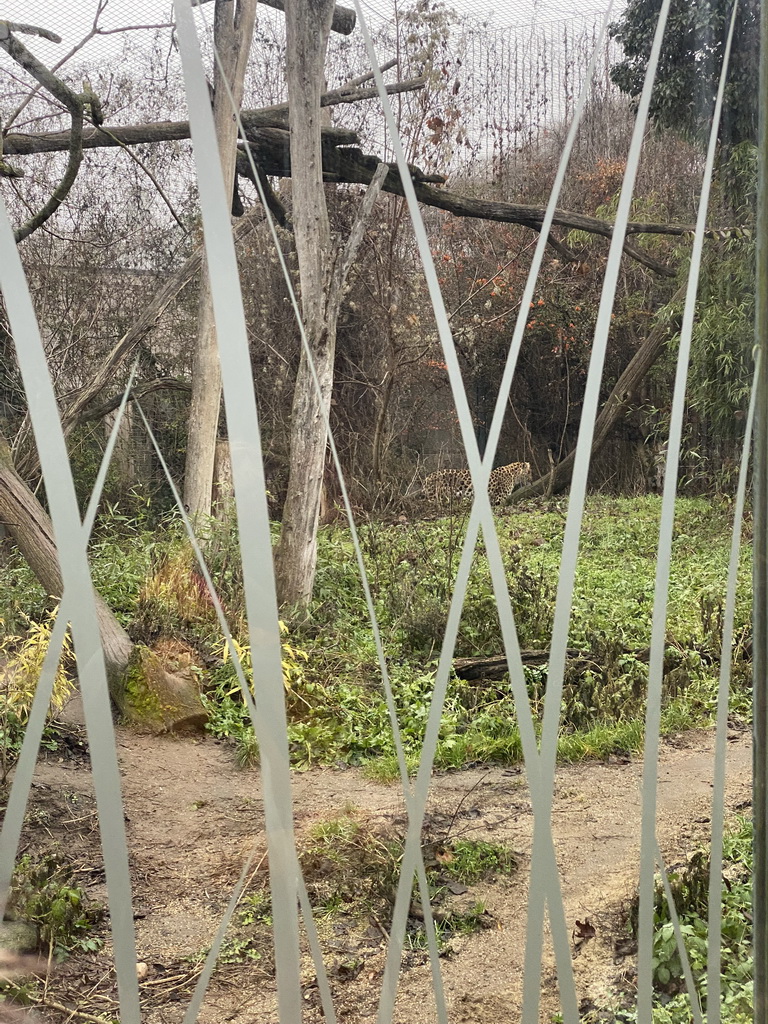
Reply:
x=495 y=666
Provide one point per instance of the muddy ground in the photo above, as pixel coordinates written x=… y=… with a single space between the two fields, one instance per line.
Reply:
x=193 y=817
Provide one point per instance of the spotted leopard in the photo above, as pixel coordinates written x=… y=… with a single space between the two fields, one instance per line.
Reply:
x=451 y=486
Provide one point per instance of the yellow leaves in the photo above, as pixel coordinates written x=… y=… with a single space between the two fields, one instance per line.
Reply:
x=293 y=660
x=21 y=661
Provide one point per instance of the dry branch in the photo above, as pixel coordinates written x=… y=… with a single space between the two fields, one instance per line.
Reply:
x=266 y=130
x=73 y=102
x=139 y=391
x=614 y=407
x=78 y=408
x=495 y=666
x=22 y=144
x=28 y=30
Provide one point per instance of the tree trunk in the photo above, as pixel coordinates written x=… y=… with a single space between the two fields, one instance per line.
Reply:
x=233 y=33
x=307 y=28
x=26 y=521
x=615 y=405
x=223 y=490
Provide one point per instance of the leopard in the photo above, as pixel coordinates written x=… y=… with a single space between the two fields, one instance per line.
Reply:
x=453 y=486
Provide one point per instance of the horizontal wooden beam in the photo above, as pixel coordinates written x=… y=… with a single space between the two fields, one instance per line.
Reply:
x=344 y=18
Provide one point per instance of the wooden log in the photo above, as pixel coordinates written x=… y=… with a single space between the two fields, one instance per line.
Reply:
x=344 y=18
x=495 y=666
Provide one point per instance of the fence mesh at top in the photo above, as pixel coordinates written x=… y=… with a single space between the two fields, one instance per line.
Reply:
x=517 y=73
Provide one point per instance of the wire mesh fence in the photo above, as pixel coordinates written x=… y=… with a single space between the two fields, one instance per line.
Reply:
x=519 y=90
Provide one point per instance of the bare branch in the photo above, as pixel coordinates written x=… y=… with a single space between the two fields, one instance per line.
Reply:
x=75 y=105
x=90 y=34
x=343 y=266
x=23 y=144
x=138 y=392
x=145 y=324
x=362 y=79
x=133 y=28
x=274 y=205
x=6 y=27
x=62 y=190
x=154 y=181
x=40 y=72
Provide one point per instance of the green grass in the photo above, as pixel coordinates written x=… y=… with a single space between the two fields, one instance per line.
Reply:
x=351 y=867
x=335 y=702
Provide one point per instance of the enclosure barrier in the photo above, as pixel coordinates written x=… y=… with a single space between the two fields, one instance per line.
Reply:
x=268 y=712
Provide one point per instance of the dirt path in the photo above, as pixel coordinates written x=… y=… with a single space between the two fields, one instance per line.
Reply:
x=193 y=817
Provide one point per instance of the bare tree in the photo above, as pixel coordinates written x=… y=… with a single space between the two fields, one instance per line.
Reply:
x=323 y=273
x=314 y=154
x=233 y=34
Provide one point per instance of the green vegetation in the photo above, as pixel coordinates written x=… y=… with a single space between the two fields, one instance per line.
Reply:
x=335 y=700
x=44 y=895
x=21 y=659
x=351 y=867
x=686 y=82
x=48 y=914
x=690 y=887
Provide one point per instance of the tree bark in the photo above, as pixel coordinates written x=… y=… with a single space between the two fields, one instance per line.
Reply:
x=307 y=28
x=223 y=489
x=322 y=288
x=344 y=18
x=613 y=409
x=26 y=521
x=233 y=33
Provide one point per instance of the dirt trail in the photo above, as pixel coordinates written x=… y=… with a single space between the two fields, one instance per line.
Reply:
x=193 y=817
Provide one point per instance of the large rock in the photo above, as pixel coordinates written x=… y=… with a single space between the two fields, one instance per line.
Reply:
x=162 y=692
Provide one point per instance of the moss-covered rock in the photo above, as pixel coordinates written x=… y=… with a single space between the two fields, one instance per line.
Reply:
x=162 y=693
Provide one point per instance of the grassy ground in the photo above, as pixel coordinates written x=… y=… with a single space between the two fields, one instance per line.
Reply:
x=335 y=701
x=336 y=704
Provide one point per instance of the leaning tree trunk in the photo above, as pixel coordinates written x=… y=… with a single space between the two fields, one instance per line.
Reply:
x=233 y=34
x=614 y=408
x=26 y=521
x=307 y=27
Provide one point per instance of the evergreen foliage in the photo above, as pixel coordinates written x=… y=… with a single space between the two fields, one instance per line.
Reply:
x=687 y=78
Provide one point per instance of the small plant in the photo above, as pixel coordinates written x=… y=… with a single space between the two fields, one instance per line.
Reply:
x=468 y=860
x=349 y=863
x=21 y=660
x=690 y=887
x=44 y=895
x=463 y=861
x=228 y=715
x=174 y=600
x=237 y=951
x=449 y=925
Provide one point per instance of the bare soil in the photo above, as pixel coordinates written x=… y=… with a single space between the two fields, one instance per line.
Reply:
x=193 y=817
